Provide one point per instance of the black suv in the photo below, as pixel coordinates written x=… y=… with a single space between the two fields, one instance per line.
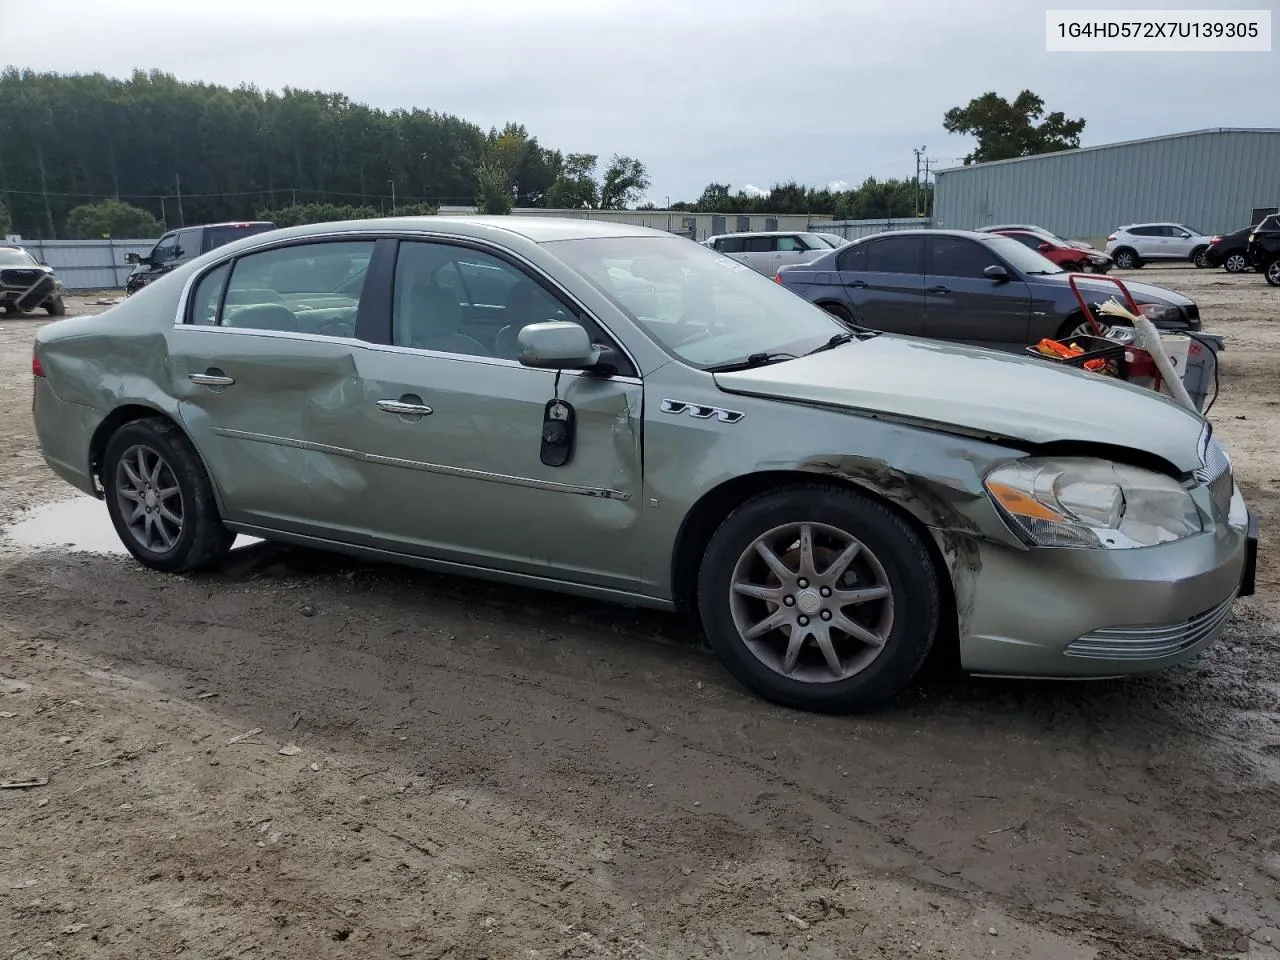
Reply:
x=1264 y=248
x=180 y=246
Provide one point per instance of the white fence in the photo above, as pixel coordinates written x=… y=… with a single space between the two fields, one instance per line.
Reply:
x=99 y=264
x=88 y=264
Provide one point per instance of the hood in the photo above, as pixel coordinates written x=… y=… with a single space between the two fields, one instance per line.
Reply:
x=1100 y=290
x=980 y=392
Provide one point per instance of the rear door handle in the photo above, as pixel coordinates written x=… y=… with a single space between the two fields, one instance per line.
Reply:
x=403 y=408
x=856 y=284
x=938 y=289
x=211 y=379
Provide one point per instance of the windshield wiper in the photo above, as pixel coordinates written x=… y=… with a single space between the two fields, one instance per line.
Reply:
x=839 y=340
x=755 y=360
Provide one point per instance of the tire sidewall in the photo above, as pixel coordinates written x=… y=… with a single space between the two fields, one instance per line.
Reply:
x=1272 y=272
x=143 y=433
x=1244 y=264
x=900 y=551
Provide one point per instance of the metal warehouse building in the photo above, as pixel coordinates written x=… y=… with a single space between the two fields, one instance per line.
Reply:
x=1212 y=180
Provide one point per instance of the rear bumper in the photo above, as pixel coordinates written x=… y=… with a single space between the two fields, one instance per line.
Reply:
x=64 y=431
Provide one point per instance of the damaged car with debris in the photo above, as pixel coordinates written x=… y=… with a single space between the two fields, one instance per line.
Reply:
x=26 y=284
x=613 y=412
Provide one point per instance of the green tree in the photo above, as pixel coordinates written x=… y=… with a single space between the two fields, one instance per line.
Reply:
x=1005 y=130
x=625 y=181
x=575 y=185
x=111 y=218
x=5 y=222
x=493 y=188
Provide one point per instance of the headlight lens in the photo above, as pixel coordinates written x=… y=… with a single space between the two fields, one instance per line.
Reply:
x=1088 y=503
x=1159 y=311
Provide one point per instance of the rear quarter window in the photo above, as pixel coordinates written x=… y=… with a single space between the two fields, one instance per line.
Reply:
x=218 y=236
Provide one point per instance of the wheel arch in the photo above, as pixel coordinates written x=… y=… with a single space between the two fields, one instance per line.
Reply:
x=131 y=412
x=714 y=506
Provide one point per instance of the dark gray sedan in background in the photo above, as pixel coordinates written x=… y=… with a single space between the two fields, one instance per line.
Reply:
x=962 y=285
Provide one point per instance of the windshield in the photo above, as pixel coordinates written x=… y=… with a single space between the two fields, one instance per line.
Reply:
x=1023 y=259
x=831 y=239
x=704 y=308
x=11 y=257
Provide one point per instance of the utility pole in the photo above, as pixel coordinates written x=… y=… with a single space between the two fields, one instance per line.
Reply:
x=393 y=196
x=919 y=152
x=928 y=203
x=44 y=192
x=177 y=180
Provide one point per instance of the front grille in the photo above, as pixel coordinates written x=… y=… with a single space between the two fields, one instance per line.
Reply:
x=1152 y=642
x=20 y=278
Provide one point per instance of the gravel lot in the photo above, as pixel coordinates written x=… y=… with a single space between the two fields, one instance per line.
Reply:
x=485 y=772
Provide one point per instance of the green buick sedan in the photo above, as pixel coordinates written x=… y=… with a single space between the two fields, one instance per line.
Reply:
x=618 y=413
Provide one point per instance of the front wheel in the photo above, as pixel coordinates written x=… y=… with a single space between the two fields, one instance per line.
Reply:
x=55 y=307
x=1072 y=267
x=1126 y=259
x=160 y=499
x=1272 y=272
x=819 y=598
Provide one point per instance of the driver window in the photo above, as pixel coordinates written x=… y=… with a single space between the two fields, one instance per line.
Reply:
x=789 y=244
x=957 y=257
x=164 y=251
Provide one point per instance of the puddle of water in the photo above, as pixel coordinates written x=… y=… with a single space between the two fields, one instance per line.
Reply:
x=80 y=524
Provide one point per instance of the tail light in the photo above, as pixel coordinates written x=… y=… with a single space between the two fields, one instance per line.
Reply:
x=36 y=369
x=777 y=278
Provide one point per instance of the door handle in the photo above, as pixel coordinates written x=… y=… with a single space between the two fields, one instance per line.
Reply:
x=938 y=289
x=857 y=284
x=403 y=409
x=211 y=379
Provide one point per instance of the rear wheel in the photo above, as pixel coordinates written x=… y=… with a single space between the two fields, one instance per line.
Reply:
x=1236 y=263
x=1272 y=272
x=819 y=598
x=160 y=499
x=1126 y=259
x=1200 y=257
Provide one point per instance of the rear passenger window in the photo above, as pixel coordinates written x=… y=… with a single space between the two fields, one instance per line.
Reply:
x=307 y=288
x=854 y=258
x=894 y=255
x=207 y=296
x=759 y=244
x=729 y=245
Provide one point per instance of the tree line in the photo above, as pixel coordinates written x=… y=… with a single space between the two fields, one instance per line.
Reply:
x=86 y=155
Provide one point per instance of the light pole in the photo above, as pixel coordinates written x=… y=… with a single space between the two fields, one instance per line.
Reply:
x=393 y=196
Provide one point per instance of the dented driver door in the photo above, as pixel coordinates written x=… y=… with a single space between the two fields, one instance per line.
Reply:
x=456 y=472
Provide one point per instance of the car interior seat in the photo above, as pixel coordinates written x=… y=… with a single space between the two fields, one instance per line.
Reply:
x=264 y=316
x=526 y=303
x=429 y=318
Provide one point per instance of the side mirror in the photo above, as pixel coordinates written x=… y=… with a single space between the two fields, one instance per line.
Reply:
x=1045 y=247
x=132 y=257
x=997 y=273
x=557 y=345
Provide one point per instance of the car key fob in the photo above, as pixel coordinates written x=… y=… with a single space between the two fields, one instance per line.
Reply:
x=557 y=433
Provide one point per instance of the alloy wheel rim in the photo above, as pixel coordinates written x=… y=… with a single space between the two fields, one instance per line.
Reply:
x=150 y=499
x=811 y=602
x=1273 y=272
x=1235 y=263
x=1124 y=260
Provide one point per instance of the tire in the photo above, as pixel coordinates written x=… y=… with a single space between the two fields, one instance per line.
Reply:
x=1126 y=259
x=892 y=559
x=839 y=311
x=1236 y=263
x=1272 y=272
x=1072 y=267
x=199 y=538
x=55 y=307
x=1199 y=258
x=1076 y=326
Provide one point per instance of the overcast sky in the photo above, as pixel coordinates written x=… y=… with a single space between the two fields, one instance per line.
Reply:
x=745 y=92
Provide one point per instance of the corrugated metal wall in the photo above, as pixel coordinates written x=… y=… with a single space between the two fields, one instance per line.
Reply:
x=1210 y=180
x=88 y=264
x=673 y=221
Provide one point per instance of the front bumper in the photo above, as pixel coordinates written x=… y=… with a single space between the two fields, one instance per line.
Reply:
x=1090 y=613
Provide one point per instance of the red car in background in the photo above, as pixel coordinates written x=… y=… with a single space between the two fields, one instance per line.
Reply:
x=1067 y=255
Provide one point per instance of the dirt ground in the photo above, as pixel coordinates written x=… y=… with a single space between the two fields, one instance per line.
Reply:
x=303 y=756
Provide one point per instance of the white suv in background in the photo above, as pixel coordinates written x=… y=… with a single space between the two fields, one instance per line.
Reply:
x=1132 y=246
x=765 y=252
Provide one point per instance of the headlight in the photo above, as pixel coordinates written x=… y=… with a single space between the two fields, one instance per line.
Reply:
x=1159 y=311
x=1092 y=503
